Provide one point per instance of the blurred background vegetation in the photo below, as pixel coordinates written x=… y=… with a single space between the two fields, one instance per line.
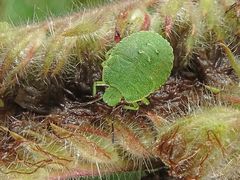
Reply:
x=22 y=11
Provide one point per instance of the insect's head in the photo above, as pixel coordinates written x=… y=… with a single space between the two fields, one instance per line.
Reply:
x=129 y=21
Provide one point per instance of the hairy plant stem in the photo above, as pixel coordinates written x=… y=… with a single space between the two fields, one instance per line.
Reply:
x=52 y=128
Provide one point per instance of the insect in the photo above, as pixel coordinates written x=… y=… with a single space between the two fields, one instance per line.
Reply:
x=137 y=66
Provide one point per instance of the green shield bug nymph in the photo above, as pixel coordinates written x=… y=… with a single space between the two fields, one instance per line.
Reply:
x=137 y=66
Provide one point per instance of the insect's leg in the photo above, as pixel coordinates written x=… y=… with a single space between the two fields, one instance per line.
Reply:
x=95 y=84
x=134 y=106
x=145 y=101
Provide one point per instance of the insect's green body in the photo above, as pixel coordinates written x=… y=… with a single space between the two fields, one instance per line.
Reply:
x=136 y=67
